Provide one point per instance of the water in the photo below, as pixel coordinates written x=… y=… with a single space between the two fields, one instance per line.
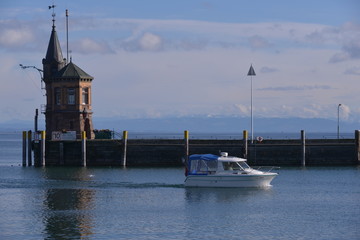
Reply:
x=151 y=203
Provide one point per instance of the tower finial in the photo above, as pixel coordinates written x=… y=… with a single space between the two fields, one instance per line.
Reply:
x=53 y=14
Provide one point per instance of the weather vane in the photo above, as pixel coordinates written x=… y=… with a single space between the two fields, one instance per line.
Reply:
x=53 y=14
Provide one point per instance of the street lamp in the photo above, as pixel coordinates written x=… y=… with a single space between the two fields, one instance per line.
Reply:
x=338 y=125
x=39 y=70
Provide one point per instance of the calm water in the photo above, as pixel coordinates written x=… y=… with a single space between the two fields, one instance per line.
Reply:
x=151 y=203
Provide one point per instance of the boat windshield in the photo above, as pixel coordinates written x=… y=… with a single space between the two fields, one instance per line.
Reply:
x=238 y=166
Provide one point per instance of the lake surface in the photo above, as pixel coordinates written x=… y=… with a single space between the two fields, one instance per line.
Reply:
x=151 y=203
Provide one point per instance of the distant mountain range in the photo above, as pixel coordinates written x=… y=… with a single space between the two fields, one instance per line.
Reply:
x=203 y=125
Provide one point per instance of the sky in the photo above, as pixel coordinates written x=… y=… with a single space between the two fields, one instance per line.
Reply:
x=176 y=58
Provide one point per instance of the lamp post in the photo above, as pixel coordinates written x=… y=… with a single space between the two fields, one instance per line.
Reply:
x=38 y=69
x=338 y=125
x=252 y=73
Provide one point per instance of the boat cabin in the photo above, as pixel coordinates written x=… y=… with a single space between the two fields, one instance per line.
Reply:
x=204 y=164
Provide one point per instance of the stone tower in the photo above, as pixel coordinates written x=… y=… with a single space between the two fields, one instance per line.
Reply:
x=68 y=93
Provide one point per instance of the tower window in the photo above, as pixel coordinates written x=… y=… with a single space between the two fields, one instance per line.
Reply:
x=57 y=96
x=85 y=96
x=71 y=96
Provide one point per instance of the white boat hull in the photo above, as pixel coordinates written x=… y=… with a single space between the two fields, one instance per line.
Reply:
x=235 y=180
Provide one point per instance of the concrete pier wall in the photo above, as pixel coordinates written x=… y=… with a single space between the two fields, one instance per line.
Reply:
x=169 y=152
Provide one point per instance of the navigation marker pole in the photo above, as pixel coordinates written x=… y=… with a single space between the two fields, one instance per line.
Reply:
x=252 y=73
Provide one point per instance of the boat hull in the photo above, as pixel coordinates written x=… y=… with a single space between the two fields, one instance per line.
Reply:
x=234 y=180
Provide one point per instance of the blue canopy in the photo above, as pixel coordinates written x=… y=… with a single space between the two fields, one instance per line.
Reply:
x=205 y=157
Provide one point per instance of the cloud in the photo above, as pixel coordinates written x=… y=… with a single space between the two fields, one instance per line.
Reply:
x=150 y=42
x=243 y=110
x=155 y=84
x=268 y=70
x=339 y=57
x=257 y=42
x=297 y=88
x=175 y=34
x=352 y=71
x=142 y=42
x=350 y=50
x=349 y=38
x=90 y=46
x=14 y=35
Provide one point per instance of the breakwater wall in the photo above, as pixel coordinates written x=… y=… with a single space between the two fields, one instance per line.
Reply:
x=169 y=152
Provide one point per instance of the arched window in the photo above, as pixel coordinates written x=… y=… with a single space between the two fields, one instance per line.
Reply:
x=85 y=96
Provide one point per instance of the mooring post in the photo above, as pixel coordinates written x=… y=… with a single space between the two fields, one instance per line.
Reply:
x=61 y=153
x=124 y=143
x=186 y=145
x=357 y=144
x=29 y=148
x=24 y=149
x=245 y=143
x=83 y=148
x=42 y=148
x=303 y=148
x=36 y=120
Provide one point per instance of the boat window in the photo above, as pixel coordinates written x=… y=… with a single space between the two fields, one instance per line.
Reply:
x=202 y=167
x=230 y=166
x=244 y=165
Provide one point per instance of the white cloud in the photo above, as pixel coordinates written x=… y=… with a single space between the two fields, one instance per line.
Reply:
x=243 y=110
x=150 y=42
x=11 y=38
x=90 y=46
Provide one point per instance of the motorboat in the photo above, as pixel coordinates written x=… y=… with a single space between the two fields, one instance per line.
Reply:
x=209 y=170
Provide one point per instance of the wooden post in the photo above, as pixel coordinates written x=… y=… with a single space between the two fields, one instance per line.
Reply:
x=83 y=149
x=24 y=149
x=245 y=143
x=36 y=120
x=186 y=145
x=303 y=148
x=42 y=148
x=61 y=153
x=357 y=144
x=29 y=148
x=124 y=143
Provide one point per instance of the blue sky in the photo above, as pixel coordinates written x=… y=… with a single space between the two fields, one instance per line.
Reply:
x=169 y=58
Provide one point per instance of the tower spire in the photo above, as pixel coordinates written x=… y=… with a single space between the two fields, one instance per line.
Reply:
x=53 y=60
x=53 y=14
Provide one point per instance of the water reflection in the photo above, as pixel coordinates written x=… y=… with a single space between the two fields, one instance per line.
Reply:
x=224 y=194
x=68 y=204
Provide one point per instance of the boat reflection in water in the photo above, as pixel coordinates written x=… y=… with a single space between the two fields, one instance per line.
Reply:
x=208 y=170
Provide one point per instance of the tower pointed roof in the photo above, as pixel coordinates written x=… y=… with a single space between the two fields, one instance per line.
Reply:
x=72 y=71
x=54 y=50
